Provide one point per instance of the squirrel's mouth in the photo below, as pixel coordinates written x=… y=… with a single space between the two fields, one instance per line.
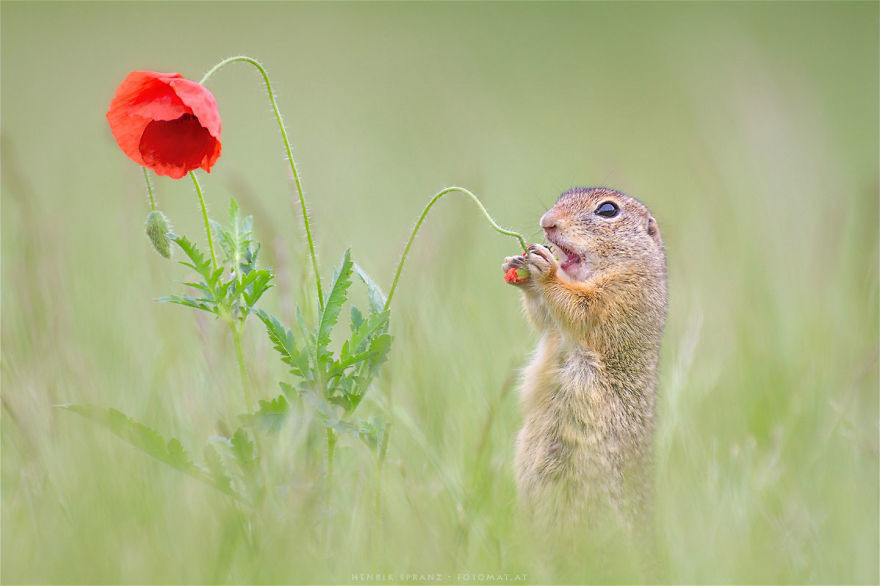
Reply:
x=571 y=261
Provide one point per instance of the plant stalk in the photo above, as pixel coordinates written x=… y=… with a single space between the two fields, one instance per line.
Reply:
x=328 y=479
x=205 y=216
x=421 y=219
x=149 y=189
x=242 y=369
x=287 y=150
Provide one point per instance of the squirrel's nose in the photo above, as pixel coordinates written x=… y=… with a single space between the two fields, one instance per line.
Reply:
x=548 y=221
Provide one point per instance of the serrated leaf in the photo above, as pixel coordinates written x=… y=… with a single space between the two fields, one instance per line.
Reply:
x=374 y=292
x=359 y=347
x=201 y=287
x=335 y=300
x=288 y=390
x=177 y=455
x=169 y=451
x=357 y=318
x=372 y=432
x=247 y=225
x=195 y=302
x=243 y=449
x=270 y=414
x=343 y=427
x=233 y=212
x=378 y=353
x=198 y=261
x=215 y=466
x=258 y=280
x=375 y=324
x=324 y=409
x=379 y=347
x=284 y=344
x=337 y=367
x=301 y=325
x=277 y=405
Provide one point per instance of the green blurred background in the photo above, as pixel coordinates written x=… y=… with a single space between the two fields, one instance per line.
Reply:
x=749 y=129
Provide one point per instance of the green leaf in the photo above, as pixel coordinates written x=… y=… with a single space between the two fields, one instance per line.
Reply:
x=283 y=342
x=169 y=451
x=379 y=347
x=337 y=367
x=335 y=299
x=214 y=464
x=201 y=287
x=377 y=354
x=243 y=450
x=195 y=302
x=270 y=414
x=233 y=212
x=325 y=410
x=374 y=292
x=301 y=325
x=372 y=432
x=360 y=346
x=198 y=261
x=258 y=282
x=357 y=318
x=376 y=323
x=224 y=237
x=277 y=405
x=288 y=390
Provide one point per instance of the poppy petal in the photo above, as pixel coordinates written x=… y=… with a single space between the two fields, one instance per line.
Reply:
x=174 y=147
x=201 y=102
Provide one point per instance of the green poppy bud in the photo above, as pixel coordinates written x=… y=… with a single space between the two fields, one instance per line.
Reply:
x=157 y=229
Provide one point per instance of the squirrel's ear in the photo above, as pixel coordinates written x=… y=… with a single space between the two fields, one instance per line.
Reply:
x=654 y=231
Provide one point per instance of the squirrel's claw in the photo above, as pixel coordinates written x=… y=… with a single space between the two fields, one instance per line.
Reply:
x=515 y=271
x=541 y=262
x=511 y=262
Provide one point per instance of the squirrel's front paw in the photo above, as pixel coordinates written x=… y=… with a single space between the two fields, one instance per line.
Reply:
x=541 y=263
x=515 y=270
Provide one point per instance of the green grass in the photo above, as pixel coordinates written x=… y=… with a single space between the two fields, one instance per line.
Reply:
x=750 y=130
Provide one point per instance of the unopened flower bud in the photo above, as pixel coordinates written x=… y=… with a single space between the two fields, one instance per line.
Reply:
x=157 y=229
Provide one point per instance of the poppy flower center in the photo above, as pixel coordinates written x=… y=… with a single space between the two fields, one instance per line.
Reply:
x=181 y=143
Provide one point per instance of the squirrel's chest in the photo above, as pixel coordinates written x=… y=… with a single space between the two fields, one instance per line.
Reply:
x=562 y=378
x=569 y=406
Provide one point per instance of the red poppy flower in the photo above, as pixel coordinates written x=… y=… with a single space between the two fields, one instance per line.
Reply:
x=166 y=123
x=516 y=275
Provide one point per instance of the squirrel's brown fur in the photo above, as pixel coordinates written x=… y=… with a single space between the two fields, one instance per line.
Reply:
x=588 y=394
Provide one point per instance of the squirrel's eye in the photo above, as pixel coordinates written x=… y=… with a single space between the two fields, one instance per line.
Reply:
x=607 y=210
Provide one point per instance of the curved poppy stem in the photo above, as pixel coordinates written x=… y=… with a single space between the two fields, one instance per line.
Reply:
x=299 y=189
x=149 y=189
x=205 y=216
x=421 y=219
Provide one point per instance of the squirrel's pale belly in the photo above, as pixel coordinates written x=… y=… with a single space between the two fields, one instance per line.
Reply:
x=571 y=450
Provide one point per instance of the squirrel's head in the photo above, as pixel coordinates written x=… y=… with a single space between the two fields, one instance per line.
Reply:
x=596 y=228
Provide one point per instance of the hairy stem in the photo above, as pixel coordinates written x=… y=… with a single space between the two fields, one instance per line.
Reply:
x=328 y=479
x=331 y=449
x=205 y=216
x=421 y=219
x=242 y=370
x=299 y=189
x=149 y=189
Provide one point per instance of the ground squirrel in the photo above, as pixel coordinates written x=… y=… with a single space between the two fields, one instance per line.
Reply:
x=588 y=394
